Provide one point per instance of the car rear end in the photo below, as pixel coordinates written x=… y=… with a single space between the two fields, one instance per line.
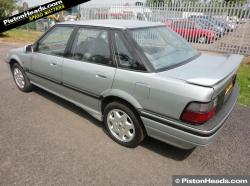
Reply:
x=191 y=94
x=200 y=121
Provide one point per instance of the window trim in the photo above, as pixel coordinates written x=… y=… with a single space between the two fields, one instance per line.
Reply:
x=166 y=68
x=69 y=52
x=129 y=47
x=138 y=51
x=36 y=44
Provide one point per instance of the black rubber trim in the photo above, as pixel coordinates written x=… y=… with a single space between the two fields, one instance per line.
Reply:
x=162 y=120
x=43 y=76
x=85 y=92
x=88 y=93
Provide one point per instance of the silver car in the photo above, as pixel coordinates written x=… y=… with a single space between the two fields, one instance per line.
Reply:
x=139 y=78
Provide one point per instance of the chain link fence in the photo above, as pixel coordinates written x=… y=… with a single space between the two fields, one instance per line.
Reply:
x=216 y=27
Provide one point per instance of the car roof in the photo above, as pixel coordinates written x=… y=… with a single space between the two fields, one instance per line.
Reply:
x=115 y=23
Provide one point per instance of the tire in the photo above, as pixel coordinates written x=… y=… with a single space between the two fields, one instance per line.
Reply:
x=21 y=79
x=125 y=128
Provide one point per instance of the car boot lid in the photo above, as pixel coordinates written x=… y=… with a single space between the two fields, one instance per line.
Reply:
x=206 y=70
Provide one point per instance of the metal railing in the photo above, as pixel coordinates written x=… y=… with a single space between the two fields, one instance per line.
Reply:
x=217 y=27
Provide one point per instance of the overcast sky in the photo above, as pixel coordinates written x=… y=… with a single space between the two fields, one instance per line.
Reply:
x=37 y=2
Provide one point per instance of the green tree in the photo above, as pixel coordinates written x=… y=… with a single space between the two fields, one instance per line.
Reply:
x=6 y=7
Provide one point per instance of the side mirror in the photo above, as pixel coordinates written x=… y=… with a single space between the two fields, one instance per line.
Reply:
x=29 y=48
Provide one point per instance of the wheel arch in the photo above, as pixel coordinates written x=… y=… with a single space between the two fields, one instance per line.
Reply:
x=14 y=60
x=133 y=105
x=120 y=96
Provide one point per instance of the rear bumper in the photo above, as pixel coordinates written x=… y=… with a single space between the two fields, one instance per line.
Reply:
x=185 y=136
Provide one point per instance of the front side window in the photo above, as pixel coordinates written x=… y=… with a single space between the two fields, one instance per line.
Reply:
x=55 y=42
x=125 y=58
x=92 y=45
x=163 y=47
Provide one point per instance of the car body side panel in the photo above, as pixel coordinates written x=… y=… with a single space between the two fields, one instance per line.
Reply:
x=90 y=104
x=88 y=76
x=20 y=56
x=160 y=95
x=122 y=94
x=47 y=65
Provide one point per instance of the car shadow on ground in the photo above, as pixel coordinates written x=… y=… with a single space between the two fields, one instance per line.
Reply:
x=165 y=149
x=149 y=143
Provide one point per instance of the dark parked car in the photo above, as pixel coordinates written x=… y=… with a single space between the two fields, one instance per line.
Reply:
x=192 y=31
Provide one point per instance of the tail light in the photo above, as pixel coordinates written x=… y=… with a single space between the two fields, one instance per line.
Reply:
x=199 y=113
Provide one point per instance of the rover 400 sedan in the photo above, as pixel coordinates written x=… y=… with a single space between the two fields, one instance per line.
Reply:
x=139 y=78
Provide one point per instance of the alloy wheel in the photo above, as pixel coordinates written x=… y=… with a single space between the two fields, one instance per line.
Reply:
x=19 y=78
x=121 y=125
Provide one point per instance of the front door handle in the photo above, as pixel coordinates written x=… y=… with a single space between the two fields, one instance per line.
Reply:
x=101 y=76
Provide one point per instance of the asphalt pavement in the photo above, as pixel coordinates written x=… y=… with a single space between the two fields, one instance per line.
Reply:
x=45 y=140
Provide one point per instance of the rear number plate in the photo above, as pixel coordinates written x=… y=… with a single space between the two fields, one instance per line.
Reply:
x=228 y=90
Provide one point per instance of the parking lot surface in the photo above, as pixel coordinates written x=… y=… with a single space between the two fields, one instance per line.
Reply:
x=45 y=140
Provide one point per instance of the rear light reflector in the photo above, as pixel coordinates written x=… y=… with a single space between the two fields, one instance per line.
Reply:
x=199 y=113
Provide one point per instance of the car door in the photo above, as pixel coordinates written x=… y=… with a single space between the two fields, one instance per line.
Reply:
x=132 y=76
x=49 y=52
x=90 y=67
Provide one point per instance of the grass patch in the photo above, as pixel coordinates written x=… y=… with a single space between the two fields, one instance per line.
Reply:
x=244 y=82
x=246 y=60
x=20 y=35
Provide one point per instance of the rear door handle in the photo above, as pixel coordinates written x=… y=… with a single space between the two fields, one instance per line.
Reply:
x=101 y=76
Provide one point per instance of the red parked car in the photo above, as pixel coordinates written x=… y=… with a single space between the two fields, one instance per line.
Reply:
x=192 y=31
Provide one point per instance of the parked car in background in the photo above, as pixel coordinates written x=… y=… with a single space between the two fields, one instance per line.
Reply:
x=221 y=27
x=232 y=22
x=126 y=12
x=139 y=78
x=192 y=31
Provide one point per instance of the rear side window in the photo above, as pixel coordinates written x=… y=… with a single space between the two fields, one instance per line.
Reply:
x=124 y=57
x=163 y=47
x=55 y=41
x=92 y=45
